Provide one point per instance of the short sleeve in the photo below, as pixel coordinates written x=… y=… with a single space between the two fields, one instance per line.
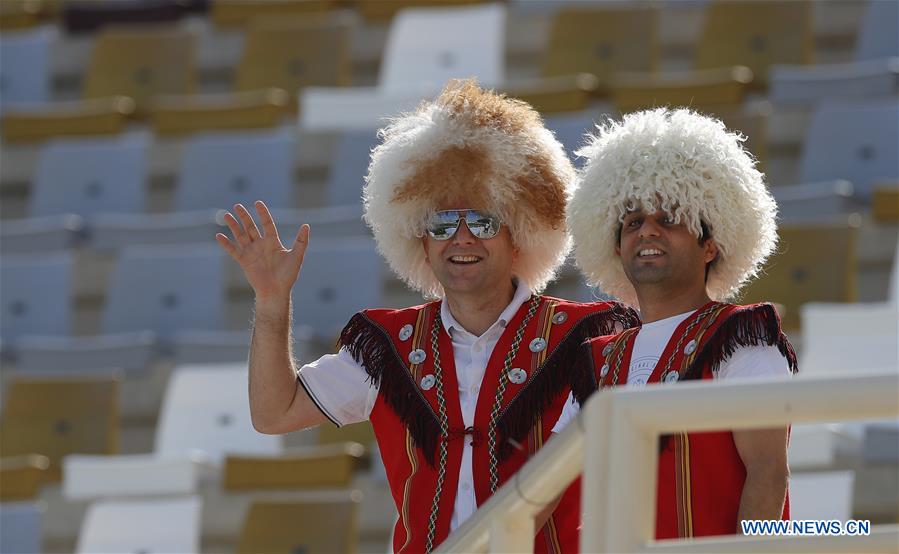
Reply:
x=340 y=387
x=569 y=412
x=755 y=362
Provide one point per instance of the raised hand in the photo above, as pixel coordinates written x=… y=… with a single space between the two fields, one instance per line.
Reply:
x=270 y=267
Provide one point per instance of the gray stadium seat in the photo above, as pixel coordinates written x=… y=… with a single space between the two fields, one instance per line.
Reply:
x=339 y=278
x=327 y=222
x=113 y=232
x=349 y=167
x=853 y=140
x=809 y=84
x=35 y=293
x=816 y=201
x=89 y=176
x=148 y=525
x=40 y=234
x=877 y=36
x=571 y=129
x=25 y=66
x=222 y=169
x=20 y=527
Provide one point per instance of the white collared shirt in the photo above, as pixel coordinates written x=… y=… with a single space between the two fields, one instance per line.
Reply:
x=340 y=387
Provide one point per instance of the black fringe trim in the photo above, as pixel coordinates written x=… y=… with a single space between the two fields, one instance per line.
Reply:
x=371 y=347
x=559 y=372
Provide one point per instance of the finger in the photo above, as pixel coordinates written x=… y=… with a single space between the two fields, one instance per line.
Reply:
x=239 y=235
x=268 y=222
x=301 y=242
x=247 y=221
x=226 y=244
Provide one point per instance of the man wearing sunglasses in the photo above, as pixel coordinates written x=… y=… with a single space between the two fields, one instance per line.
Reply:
x=466 y=198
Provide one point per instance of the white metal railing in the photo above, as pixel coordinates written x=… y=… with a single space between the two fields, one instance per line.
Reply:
x=619 y=482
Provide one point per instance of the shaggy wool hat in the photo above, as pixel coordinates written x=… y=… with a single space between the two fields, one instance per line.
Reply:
x=685 y=164
x=477 y=145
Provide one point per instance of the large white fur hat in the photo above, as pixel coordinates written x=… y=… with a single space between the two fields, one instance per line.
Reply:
x=476 y=145
x=686 y=164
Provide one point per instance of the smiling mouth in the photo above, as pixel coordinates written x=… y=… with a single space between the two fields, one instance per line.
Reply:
x=650 y=253
x=464 y=260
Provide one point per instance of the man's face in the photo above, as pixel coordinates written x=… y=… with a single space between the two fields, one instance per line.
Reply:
x=466 y=264
x=654 y=250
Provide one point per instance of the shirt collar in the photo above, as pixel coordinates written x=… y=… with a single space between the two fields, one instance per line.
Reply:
x=522 y=294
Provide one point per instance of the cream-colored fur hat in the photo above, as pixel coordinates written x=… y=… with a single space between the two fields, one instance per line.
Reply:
x=475 y=144
x=686 y=164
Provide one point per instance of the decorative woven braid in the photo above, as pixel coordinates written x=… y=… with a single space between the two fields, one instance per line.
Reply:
x=444 y=428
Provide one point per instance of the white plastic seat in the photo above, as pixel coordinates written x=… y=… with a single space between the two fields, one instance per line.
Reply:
x=425 y=48
x=204 y=417
x=25 y=66
x=824 y=495
x=113 y=232
x=34 y=292
x=159 y=525
x=849 y=338
x=819 y=446
x=809 y=84
x=326 y=223
x=41 y=234
x=349 y=167
x=20 y=527
x=878 y=31
x=340 y=277
x=852 y=140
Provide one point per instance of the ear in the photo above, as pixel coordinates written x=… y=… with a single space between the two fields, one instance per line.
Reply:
x=424 y=246
x=710 y=250
x=618 y=250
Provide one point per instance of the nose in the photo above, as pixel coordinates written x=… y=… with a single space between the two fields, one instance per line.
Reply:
x=463 y=234
x=649 y=228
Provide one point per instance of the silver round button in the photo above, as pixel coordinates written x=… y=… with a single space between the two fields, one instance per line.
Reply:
x=406 y=332
x=518 y=375
x=690 y=348
x=672 y=377
x=604 y=370
x=607 y=350
x=427 y=382
x=560 y=318
x=417 y=356
x=537 y=345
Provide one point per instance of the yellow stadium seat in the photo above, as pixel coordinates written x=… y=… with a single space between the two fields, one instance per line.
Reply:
x=180 y=115
x=290 y=54
x=141 y=63
x=602 y=42
x=813 y=263
x=570 y=93
x=21 y=477
x=54 y=417
x=103 y=116
x=752 y=122
x=229 y=13
x=321 y=466
x=721 y=88
x=885 y=203
x=383 y=10
x=361 y=433
x=757 y=34
x=289 y=527
x=19 y=14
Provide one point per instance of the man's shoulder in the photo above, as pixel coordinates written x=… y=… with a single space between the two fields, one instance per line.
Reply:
x=589 y=307
x=380 y=314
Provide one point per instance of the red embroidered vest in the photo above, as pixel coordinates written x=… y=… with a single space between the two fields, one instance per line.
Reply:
x=700 y=475
x=418 y=422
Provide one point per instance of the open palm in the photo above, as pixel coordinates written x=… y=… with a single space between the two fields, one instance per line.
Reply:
x=270 y=267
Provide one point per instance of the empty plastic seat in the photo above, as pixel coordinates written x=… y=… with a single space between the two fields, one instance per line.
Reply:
x=878 y=31
x=824 y=495
x=701 y=90
x=220 y=170
x=157 y=525
x=227 y=13
x=355 y=108
x=814 y=447
x=35 y=291
x=326 y=223
x=349 y=167
x=809 y=84
x=853 y=140
x=571 y=130
x=21 y=477
x=811 y=201
x=340 y=277
x=567 y=93
x=113 y=232
x=379 y=11
x=89 y=176
x=81 y=17
x=102 y=116
x=757 y=34
x=25 y=66
x=292 y=526
x=849 y=338
x=204 y=417
x=194 y=113
x=20 y=527
x=601 y=42
x=314 y=467
x=40 y=234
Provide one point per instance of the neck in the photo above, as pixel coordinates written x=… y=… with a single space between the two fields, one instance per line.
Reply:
x=660 y=302
x=477 y=312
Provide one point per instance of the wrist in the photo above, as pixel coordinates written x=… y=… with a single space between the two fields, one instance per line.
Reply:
x=272 y=306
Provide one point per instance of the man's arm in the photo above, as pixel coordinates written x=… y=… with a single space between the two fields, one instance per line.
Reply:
x=764 y=453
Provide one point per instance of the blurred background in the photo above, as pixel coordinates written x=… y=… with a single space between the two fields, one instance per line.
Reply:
x=128 y=125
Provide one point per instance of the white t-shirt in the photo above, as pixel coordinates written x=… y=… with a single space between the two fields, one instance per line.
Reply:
x=748 y=362
x=339 y=387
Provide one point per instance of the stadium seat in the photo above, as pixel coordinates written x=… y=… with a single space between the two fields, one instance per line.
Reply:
x=340 y=277
x=810 y=84
x=878 y=31
x=326 y=223
x=291 y=54
x=601 y=42
x=204 y=417
x=361 y=433
x=551 y=95
x=229 y=13
x=25 y=66
x=821 y=446
x=852 y=140
x=349 y=166
x=16 y=15
x=381 y=11
x=816 y=201
x=40 y=234
x=35 y=290
x=881 y=443
x=56 y=416
x=571 y=130
x=187 y=114
x=86 y=17
x=141 y=64
x=21 y=477
x=885 y=203
x=757 y=34
x=325 y=109
x=722 y=88
x=285 y=527
x=847 y=338
x=813 y=263
x=89 y=176
x=113 y=232
x=316 y=467
x=821 y=495
x=103 y=116
x=148 y=525
x=21 y=525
